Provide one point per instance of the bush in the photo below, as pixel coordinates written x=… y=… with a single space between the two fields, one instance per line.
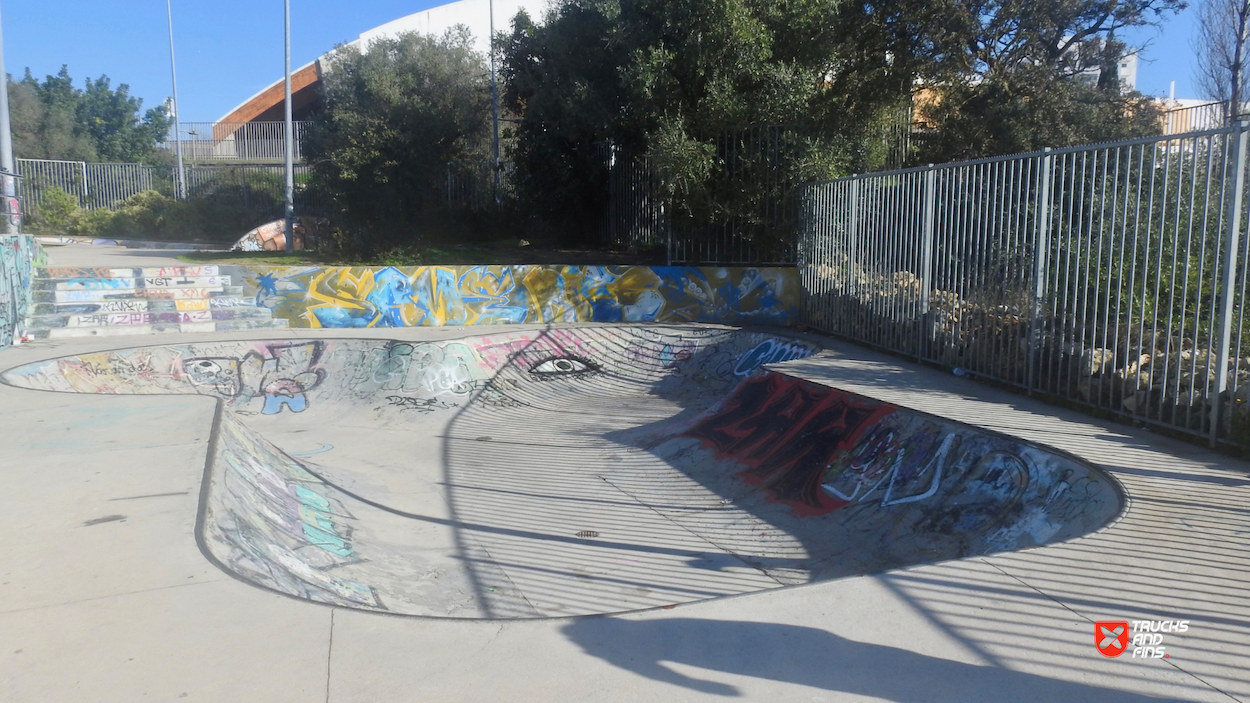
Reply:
x=55 y=213
x=218 y=216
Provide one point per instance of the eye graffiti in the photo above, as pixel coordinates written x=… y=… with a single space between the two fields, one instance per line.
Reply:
x=563 y=367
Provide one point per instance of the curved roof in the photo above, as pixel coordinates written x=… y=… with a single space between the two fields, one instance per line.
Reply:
x=475 y=14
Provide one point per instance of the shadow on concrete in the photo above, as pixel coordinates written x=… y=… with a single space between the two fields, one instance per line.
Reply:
x=807 y=656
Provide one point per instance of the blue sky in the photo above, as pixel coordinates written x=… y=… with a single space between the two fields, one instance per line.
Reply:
x=227 y=50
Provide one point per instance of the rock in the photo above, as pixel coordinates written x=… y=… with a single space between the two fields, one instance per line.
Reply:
x=1137 y=402
x=1135 y=366
x=1095 y=362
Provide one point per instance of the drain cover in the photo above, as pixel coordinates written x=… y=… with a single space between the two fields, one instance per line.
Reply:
x=587 y=533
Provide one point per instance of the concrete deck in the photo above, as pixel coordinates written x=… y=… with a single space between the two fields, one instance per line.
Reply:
x=104 y=595
x=111 y=256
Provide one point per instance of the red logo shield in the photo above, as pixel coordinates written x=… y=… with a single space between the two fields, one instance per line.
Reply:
x=1111 y=637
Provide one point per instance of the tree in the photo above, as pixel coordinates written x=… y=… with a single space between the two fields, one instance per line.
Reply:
x=392 y=118
x=1029 y=108
x=1014 y=77
x=110 y=118
x=1222 y=44
x=683 y=83
x=562 y=80
x=54 y=120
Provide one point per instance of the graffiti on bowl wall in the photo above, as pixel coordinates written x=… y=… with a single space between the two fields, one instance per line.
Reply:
x=352 y=297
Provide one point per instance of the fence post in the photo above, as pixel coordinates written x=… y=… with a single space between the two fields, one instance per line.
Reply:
x=806 y=235
x=926 y=259
x=1228 y=281
x=86 y=201
x=1040 y=253
x=853 y=232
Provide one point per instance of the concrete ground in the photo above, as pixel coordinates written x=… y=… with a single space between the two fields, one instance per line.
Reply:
x=104 y=595
x=113 y=257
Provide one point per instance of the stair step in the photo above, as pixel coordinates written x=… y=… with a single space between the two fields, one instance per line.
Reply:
x=134 y=319
x=137 y=330
x=62 y=273
x=127 y=284
x=271 y=324
x=83 y=296
x=100 y=307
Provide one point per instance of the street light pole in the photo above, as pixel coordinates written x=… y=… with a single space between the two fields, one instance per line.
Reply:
x=494 y=104
x=289 y=139
x=8 y=181
x=173 y=73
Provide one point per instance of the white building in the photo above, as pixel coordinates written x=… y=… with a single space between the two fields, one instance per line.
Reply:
x=267 y=105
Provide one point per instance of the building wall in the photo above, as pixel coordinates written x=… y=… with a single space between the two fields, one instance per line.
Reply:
x=358 y=297
x=474 y=14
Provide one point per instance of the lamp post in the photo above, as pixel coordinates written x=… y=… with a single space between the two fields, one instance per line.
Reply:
x=8 y=180
x=494 y=105
x=173 y=73
x=289 y=138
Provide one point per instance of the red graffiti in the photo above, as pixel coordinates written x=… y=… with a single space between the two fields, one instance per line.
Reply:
x=787 y=431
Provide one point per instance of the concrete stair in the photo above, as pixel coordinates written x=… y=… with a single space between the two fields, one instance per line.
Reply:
x=99 y=302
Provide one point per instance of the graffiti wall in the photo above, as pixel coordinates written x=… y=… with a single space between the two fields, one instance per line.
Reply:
x=273 y=523
x=19 y=255
x=350 y=297
x=907 y=482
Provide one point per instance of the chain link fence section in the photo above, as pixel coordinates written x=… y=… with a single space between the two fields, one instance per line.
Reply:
x=1112 y=276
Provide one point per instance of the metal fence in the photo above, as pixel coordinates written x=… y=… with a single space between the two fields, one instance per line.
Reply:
x=252 y=142
x=257 y=188
x=747 y=212
x=1181 y=120
x=94 y=185
x=474 y=185
x=1112 y=276
x=636 y=214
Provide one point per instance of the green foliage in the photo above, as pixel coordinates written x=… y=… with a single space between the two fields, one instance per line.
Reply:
x=56 y=213
x=110 y=119
x=1051 y=81
x=54 y=120
x=681 y=82
x=684 y=82
x=1030 y=109
x=392 y=118
x=219 y=216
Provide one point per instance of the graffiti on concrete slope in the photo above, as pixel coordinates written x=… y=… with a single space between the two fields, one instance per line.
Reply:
x=19 y=255
x=270 y=377
x=818 y=450
x=271 y=236
x=278 y=525
x=281 y=374
x=271 y=519
x=346 y=297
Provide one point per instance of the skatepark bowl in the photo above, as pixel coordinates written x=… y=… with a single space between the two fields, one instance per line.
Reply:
x=575 y=471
